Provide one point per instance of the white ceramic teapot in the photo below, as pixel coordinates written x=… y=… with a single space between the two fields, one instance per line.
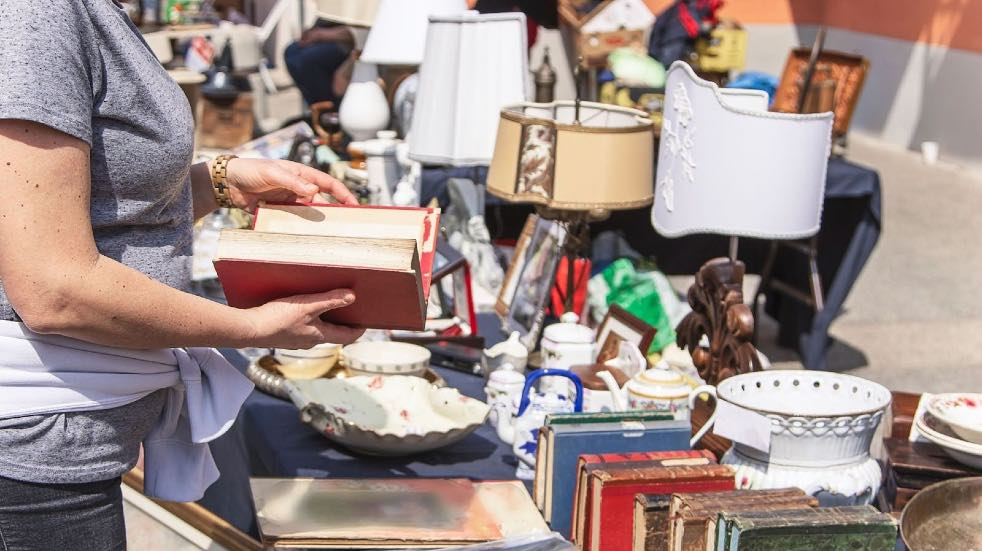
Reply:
x=522 y=430
x=659 y=388
x=510 y=354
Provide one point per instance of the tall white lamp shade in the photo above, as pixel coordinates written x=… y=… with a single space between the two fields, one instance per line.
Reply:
x=398 y=35
x=473 y=65
x=728 y=166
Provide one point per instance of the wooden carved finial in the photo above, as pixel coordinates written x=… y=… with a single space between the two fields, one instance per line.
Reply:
x=718 y=312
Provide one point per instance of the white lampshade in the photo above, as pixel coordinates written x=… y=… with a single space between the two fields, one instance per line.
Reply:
x=472 y=67
x=358 y=13
x=727 y=166
x=398 y=35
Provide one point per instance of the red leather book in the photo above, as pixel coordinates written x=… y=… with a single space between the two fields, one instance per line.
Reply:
x=588 y=463
x=612 y=493
x=385 y=255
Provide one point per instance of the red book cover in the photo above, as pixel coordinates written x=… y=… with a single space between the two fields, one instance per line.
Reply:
x=611 y=515
x=581 y=499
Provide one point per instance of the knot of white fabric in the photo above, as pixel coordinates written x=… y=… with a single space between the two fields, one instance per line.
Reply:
x=46 y=374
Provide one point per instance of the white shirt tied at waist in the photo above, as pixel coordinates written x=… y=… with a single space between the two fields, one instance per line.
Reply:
x=43 y=374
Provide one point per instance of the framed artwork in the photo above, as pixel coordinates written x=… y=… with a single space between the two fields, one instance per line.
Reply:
x=622 y=326
x=510 y=283
x=454 y=293
x=536 y=276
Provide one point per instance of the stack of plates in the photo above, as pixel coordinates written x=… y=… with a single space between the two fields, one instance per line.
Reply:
x=954 y=423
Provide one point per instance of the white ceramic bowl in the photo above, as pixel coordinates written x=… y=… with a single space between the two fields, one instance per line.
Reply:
x=397 y=415
x=938 y=432
x=385 y=358
x=307 y=364
x=960 y=411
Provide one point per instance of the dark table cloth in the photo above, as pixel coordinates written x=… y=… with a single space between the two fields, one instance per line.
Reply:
x=851 y=223
x=268 y=439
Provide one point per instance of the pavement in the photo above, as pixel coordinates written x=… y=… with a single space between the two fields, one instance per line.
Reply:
x=913 y=321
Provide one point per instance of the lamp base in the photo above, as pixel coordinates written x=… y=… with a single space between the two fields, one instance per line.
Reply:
x=719 y=314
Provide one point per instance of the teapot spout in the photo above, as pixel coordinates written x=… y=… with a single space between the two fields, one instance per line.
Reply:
x=617 y=394
x=506 y=427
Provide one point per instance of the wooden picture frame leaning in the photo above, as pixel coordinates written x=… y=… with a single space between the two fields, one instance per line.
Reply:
x=620 y=325
x=509 y=283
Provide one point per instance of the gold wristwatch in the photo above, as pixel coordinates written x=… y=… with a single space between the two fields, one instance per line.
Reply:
x=219 y=180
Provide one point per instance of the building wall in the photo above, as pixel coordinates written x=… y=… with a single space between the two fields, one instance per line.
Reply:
x=925 y=61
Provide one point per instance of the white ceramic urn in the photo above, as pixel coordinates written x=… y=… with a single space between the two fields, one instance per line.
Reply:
x=364 y=110
x=822 y=425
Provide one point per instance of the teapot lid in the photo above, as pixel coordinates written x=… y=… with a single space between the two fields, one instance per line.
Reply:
x=661 y=375
x=569 y=330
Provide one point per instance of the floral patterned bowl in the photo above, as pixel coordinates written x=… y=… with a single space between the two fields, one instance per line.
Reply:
x=962 y=412
x=940 y=433
x=393 y=415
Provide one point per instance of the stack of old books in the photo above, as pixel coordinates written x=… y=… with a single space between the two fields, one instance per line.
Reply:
x=853 y=528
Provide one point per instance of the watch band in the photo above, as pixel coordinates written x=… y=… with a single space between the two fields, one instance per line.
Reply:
x=219 y=180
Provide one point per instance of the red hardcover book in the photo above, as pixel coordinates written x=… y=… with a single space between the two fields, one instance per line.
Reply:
x=384 y=254
x=610 y=461
x=612 y=493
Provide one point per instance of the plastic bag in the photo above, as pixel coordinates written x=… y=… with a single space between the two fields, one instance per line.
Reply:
x=638 y=294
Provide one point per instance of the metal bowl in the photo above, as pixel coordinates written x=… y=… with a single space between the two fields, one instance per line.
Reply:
x=944 y=516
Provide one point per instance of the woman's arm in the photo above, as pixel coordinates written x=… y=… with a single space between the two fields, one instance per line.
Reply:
x=58 y=282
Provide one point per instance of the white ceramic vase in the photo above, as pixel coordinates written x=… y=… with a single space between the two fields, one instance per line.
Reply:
x=822 y=425
x=364 y=110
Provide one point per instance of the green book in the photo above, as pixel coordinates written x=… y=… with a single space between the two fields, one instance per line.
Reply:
x=848 y=528
x=607 y=417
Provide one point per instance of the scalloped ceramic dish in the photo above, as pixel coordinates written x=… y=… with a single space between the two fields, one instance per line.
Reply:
x=394 y=415
x=938 y=432
x=960 y=411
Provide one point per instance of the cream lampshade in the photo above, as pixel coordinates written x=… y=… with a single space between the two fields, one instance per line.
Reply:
x=398 y=34
x=473 y=65
x=542 y=156
x=728 y=166
x=358 y=13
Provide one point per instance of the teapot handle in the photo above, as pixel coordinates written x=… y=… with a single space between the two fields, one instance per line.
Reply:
x=693 y=396
x=538 y=374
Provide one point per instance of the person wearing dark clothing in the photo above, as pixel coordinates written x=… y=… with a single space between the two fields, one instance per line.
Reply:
x=315 y=60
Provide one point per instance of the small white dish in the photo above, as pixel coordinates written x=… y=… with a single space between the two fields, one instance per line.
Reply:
x=960 y=411
x=940 y=433
x=307 y=364
x=385 y=358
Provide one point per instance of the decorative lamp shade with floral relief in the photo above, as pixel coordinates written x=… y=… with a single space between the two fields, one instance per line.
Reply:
x=474 y=64
x=600 y=159
x=398 y=35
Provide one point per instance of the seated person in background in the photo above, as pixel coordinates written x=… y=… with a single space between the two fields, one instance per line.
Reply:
x=321 y=62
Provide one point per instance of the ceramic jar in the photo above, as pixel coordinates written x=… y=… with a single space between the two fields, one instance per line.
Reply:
x=822 y=425
x=503 y=391
x=564 y=345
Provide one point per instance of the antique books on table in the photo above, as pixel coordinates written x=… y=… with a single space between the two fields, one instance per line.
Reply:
x=912 y=466
x=588 y=464
x=391 y=513
x=561 y=445
x=609 y=519
x=384 y=254
x=689 y=515
x=831 y=528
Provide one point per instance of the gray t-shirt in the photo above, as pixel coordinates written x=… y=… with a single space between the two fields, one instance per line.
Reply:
x=81 y=67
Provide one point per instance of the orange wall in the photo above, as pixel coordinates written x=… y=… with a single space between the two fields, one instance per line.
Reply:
x=953 y=23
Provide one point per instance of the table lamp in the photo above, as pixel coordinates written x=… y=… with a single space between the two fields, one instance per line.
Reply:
x=728 y=166
x=576 y=161
x=398 y=34
x=473 y=65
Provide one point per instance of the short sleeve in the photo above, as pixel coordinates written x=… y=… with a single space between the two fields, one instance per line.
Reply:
x=46 y=64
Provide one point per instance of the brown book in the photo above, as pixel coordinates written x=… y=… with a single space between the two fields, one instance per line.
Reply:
x=384 y=254
x=391 y=513
x=612 y=493
x=690 y=514
x=587 y=464
x=651 y=523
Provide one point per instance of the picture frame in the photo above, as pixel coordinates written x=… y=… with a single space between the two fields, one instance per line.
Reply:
x=618 y=326
x=509 y=283
x=536 y=275
x=456 y=293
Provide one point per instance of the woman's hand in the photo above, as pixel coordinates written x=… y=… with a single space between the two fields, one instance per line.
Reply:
x=254 y=180
x=294 y=322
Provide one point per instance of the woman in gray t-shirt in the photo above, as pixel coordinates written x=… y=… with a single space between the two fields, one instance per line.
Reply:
x=96 y=142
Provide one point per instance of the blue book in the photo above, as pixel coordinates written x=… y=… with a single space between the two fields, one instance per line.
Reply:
x=562 y=445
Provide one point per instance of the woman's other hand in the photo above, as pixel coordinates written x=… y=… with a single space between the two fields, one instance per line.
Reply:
x=294 y=322
x=254 y=180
